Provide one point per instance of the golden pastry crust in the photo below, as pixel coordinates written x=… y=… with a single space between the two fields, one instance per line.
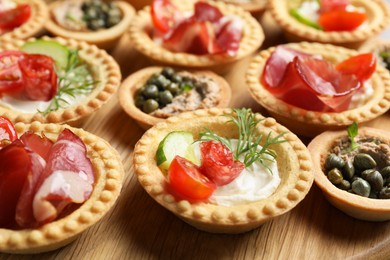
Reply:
x=311 y=123
x=252 y=39
x=104 y=39
x=109 y=174
x=293 y=160
x=135 y=81
x=255 y=7
x=105 y=71
x=34 y=26
x=378 y=15
x=354 y=205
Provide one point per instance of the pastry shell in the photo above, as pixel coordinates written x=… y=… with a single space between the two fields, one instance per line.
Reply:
x=105 y=70
x=135 y=81
x=378 y=15
x=255 y=7
x=311 y=123
x=354 y=205
x=252 y=39
x=109 y=174
x=294 y=165
x=105 y=39
x=34 y=26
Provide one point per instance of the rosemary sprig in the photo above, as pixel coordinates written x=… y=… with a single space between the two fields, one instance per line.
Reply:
x=248 y=139
x=72 y=81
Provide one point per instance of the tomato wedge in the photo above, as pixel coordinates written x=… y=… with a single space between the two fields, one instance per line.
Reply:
x=163 y=14
x=7 y=131
x=218 y=163
x=10 y=75
x=39 y=76
x=187 y=181
x=15 y=17
x=341 y=20
x=362 y=66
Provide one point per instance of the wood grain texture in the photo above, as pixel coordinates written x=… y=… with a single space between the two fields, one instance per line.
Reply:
x=139 y=228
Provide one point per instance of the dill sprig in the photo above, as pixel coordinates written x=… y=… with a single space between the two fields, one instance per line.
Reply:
x=72 y=81
x=248 y=139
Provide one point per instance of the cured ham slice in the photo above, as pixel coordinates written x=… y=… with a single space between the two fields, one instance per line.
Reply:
x=205 y=12
x=308 y=82
x=229 y=35
x=36 y=143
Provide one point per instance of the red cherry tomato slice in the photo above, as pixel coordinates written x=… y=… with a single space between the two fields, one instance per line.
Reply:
x=362 y=66
x=332 y=5
x=341 y=20
x=39 y=76
x=187 y=181
x=10 y=75
x=15 y=17
x=7 y=131
x=163 y=14
x=218 y=163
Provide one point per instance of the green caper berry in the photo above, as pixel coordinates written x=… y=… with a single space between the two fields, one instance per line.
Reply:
x=177 y=78
x=165 y=97
x=348 y=170
x=139 y=101
x=149 y=106
x=334 y=161
x=373 y=195
x=384 y=193
x=375 y=179
x=385 y=172
x=151 y=91
x=335 y=176
x=168 y=72
x=361 y=187
x=162 y=82
x=364 y=161
x=344 y=185
x=173 y=88
x=365 y=173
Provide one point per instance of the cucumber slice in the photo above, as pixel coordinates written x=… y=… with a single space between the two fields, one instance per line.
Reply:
x=175 y=143
x=302 y=19
x=57 y=51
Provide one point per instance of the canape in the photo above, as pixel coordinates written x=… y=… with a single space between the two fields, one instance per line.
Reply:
x=335 y=109
x=236 y=196
x=344 y=23
x=189 y=90
x=100 y=30
x=85 y=175
x=28 y=19
x=354 y=179
x=227 y=35
x=81 y=79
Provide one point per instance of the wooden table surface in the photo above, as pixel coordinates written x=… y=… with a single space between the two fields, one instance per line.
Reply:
x=139 y=228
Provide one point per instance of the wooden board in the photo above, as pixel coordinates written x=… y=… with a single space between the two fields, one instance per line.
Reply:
x=139 y=228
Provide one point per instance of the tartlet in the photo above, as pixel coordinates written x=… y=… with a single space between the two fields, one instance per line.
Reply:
x=378 y=16
x=310 y=123
x=255 y=7
x=354 y=205
x=34 y=25
x=293 y=162
x=135 y=81
x=109 y=174
x=105 y=39
x=139 y=32
x=104 y=70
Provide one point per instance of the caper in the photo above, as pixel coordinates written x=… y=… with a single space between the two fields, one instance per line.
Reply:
x=162 y=82
x=334 y=161
x=165 y=97
x=150 y=105
x=151 y=91
x=385 y=172
x=173 y=88
x=348 y=170
x=373 y=195
x=365 y=173
x=384 y=193
x=177 y=78
x=364 y=161
x=361 y=187
x=375 y=179
x=95 y=24
x=335 y=176
x=168 y=72
x=111 y=21
x=139 y=101
x=344 y=185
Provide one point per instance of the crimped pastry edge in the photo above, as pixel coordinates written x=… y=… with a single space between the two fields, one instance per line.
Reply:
x=253 y=36
x=104 y=38
x=109 y=174
x=34 y=26
x=108 y=74
x=132 y=83
x=294 y=164
x=378 y=12
x=354 y=205
x=255 y=7
x=311 y=123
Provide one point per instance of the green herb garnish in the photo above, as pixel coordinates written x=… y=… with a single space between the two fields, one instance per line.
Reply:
x=72 y=81
x=352 y=133
x=248 y=139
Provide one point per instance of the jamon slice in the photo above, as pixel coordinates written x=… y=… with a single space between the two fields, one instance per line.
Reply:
x=36 y=143
x=205 y=12
x=229 y=35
